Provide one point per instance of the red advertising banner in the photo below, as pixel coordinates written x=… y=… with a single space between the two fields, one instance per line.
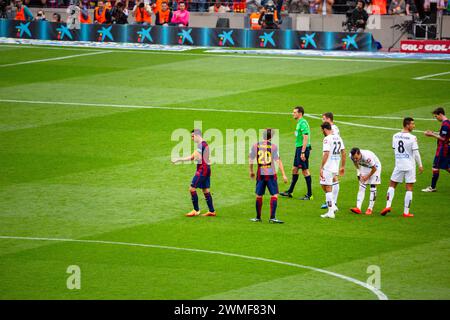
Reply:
x=425 y=46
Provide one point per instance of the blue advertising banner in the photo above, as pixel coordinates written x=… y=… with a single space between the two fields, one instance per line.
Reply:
x=206 y=37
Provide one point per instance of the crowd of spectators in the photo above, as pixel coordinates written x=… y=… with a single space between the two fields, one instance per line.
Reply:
x=176 y=12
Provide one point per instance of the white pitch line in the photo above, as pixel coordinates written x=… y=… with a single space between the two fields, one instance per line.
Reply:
x=380 y=295
x=313 y=116
x=432 y=75
x=244 y=56
x=434 y=79
x=53 y=59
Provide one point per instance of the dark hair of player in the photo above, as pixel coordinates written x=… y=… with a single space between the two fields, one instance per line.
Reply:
x=326 y=126
x=197 y=132
x=300 y=109
x=407 y=121
x=439 y=111
x=329 y=115
x=355 y=151
x=268 y=134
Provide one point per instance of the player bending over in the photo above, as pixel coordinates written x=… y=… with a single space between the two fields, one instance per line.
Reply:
x=266 y=154
x=368 y=168
x=406 y=150
x=333 y=155
x=202 y=175
x=442 y=156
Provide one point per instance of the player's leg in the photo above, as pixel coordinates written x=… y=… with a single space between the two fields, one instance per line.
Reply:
x=359 y=198
x=373 y=197
x=374 y=181
x=335 y=189
x=397 y=177
x=435 y=177
x=209 y=200
x=260 y=190
x=294 y=180
x=194 y=198
x=272 y=186
x=326 y=181
x=307 y=175
x=408 y=200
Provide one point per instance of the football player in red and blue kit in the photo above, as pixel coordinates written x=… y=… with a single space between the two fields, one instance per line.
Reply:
x=442 y=156
x=202 y=174
x=266 y=154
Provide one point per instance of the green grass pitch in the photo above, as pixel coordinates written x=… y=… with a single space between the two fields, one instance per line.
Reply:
x=104 y=173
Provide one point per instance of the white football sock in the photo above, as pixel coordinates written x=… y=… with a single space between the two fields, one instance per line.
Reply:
x=408 y=200
x=329 y=197
x=335 y=191
x=373 y=196
x=361 y=195
x=390 y=197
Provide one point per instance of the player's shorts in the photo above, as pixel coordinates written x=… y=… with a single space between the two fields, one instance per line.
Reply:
x=375 y=178
x=271 y=185
x=441 y=162
x=328 y=177
x=202 y=182
x=408 y=176
x=297 y=159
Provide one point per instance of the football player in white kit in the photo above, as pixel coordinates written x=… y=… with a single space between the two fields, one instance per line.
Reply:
x=329 y=117
x=333 y=164
x=407 y=154
x=368 y=168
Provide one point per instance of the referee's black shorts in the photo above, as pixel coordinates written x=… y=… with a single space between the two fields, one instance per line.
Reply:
x=298 y=161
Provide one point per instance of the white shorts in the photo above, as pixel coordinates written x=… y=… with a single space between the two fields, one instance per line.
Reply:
x=375 y=178
x=327 y=178
x=409 y=176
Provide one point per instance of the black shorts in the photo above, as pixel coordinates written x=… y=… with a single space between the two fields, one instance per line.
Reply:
x=298 y=161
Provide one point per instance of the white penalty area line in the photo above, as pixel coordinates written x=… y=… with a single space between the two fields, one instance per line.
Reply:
x=54 y=59
x=431 y=76
x=313 y=116
x=380 y=295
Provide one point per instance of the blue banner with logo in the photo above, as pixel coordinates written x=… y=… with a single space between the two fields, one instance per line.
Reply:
x=205 y=37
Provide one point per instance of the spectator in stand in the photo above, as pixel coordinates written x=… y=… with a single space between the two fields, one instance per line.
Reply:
x=298 y=6
x=325 y=7
x=22 y=12
x=379 y=7
x=56 y=17
x=397 y=7
x=119 y=13
x=142 y=13
x=359 y=17
x=156 y=5
x=43 y=2
x=101 y=13
x=164 y=15
x=254 y=19
x=411 y=8
x=180 y=17
x=218 y=8
x=84 y=16
x=441 y=6
x=41 y=15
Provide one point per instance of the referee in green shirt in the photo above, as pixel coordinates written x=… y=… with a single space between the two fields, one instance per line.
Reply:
x=302 y=150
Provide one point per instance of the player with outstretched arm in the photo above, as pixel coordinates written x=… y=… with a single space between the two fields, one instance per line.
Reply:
x=202 y=174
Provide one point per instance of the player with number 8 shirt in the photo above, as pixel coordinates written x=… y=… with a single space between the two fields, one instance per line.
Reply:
x=406 y=150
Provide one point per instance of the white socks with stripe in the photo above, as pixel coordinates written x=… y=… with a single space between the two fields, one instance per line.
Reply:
x=335 y=191
x=390 y=197
x=373 y=196
x=361 y=195
x=408 y=200
x=330 y=204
